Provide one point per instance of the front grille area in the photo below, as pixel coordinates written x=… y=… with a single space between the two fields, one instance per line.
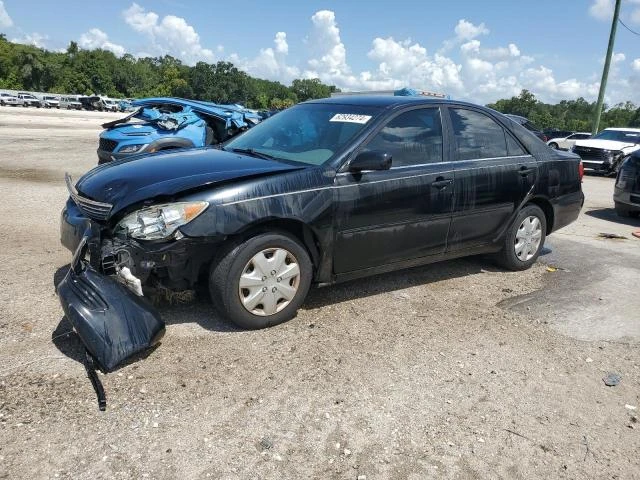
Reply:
x=107 y=145
x=588 y=153
x=92 y=209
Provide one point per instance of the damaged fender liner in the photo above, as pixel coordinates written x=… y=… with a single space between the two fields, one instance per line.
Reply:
x=111 y=321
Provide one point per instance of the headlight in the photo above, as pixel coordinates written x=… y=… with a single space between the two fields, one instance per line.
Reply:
x=160 y=221
x=608 y=155
x=131 y=148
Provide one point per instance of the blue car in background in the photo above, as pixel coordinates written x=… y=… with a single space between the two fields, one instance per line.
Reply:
x=167 y=123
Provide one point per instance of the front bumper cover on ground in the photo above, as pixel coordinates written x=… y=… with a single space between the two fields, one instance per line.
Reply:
x=112 y=322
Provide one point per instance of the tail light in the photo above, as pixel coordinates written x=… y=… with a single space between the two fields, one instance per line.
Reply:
x=545 y=138
x=580 y=170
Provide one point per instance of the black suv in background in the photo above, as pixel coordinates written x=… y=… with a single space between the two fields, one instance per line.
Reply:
x=323 y=192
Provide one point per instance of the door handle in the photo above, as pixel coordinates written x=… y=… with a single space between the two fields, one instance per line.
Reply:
x=441 y=183
x=524 y=171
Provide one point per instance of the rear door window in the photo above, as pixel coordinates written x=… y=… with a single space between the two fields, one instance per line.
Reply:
x=477 y=135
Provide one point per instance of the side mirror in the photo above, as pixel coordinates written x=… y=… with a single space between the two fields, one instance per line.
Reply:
x=370 y=160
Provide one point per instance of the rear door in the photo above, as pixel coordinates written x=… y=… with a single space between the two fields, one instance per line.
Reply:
x=398 y=214
x=493 y=174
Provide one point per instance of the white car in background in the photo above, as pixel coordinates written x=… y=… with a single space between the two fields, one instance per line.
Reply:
x=30 y=100
x=607 y=150
x=111 y=105
x=51 y=101
x=70 y=103
x=567 y=143
x=8 y=99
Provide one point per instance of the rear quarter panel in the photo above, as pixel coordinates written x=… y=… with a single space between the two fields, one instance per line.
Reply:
x=559 y=183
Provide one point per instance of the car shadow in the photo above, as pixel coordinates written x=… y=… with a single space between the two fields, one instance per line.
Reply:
x=201 y=311
x=609 y=214
x=399 y=280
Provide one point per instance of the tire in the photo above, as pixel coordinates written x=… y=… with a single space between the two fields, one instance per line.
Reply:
x=554 y=145
x=507 y=257
x=238 y=260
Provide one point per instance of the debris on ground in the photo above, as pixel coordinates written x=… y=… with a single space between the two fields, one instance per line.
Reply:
x=613 y=236
x=630 y=407
x=611 y=379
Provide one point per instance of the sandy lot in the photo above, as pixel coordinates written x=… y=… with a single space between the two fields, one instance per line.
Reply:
x=455 y=370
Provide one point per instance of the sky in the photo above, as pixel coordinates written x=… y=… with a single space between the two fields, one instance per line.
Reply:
x=470 y=49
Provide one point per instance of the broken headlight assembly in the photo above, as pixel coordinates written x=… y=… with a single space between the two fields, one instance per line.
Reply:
x=159 y=222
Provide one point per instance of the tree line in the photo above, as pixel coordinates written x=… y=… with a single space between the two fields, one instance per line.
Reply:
x=576 y=115
x=87 y=72
x=76 y=70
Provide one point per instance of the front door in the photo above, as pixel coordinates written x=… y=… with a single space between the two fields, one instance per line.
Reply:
x=402 y=213
x=493 y=174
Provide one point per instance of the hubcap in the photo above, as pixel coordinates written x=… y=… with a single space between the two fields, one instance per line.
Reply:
x=269 y=281
x=528 y=238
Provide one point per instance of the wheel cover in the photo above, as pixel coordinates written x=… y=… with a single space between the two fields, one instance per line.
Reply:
x=269 y=281
x=528 y=238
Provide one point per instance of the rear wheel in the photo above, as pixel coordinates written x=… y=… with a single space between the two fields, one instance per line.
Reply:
x=524 y=239
x=553 y=145
x=262 y=281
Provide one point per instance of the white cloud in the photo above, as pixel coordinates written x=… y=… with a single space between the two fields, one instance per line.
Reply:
x=281 y=43
x=618 y=57
x=466 y=30
x=636 y=65
x=328 y=54
x=270 y=62
x=170 y=35
x=96 y=38
x=602 y=9
x=36 y=39
x=470 y=47
x=5 y=19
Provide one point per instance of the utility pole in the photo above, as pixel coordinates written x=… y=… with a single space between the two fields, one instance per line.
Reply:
x=607 y=64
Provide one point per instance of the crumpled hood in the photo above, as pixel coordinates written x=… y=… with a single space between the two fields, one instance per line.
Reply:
x=133 y=129
x=604 y=144
x=134 y=179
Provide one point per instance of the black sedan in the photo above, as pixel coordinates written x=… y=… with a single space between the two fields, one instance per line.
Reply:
x=323 y=192
x=626 y=195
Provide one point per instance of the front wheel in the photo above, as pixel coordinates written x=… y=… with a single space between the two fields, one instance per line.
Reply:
x=524 y=239
x=554 y=145
x=262 y=281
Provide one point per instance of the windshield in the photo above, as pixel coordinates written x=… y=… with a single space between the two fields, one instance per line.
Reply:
x=307 y=133
x=618 y=136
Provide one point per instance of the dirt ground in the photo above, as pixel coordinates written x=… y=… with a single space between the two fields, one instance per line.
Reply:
x=454 y=370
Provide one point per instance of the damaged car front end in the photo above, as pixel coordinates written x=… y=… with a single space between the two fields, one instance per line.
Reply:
x=166 y=123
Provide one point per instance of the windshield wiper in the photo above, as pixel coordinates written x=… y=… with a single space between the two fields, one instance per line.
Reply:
x=253 y=153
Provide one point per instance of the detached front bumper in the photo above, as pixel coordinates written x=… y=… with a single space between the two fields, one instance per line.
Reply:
x=113 y=323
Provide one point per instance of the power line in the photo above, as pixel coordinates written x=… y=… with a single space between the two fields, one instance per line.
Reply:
x=625 y=26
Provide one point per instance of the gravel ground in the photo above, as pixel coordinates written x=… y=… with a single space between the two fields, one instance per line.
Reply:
x=417 y=374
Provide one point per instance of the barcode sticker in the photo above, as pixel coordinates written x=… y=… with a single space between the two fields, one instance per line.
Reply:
x=350 y=117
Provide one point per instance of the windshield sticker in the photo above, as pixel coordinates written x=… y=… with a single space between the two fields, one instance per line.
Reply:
x=350 y=117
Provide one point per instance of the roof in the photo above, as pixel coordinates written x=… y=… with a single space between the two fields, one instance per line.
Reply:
x=384 y=101
x=624 y=129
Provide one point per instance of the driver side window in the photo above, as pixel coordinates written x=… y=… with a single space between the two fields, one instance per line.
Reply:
x=411 y=138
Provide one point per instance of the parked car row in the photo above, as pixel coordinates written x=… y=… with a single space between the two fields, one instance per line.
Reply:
x=67 y=102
